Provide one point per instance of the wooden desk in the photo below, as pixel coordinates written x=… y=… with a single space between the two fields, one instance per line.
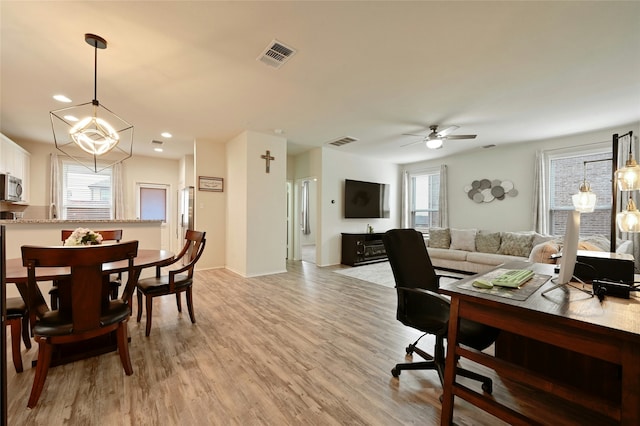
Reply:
x=565 y=318
x=16 y=273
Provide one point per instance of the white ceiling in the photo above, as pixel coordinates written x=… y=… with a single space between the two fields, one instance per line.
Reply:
x=506 y=71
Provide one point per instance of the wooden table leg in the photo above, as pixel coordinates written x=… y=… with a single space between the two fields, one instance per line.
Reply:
x=630 y=409
x=446 y=418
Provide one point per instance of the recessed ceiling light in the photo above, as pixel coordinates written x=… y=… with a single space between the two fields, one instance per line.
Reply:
x=71 y=118
x=165 y=134
x=61 y=98
x=157 y=149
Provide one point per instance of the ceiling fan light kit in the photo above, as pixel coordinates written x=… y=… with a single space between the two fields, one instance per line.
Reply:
x=434 y=143
x=435 y=139
x=101 y=138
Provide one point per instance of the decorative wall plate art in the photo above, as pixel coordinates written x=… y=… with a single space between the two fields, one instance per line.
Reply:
x=485 y=190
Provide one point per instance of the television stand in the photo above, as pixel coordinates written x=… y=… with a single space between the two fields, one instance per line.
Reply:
x=361 y=249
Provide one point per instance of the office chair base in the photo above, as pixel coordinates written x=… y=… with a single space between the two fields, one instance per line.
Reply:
x=487 y=383
x=423 y=365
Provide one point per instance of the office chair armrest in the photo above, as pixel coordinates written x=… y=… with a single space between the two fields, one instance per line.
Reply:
x=420 y=307
x=424 y=292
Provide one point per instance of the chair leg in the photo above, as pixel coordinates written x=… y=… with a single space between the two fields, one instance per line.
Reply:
x=123 y=348
x=139 y=297
x=16 y=326
x=149 y=301
x=42 y=369
x=190 y=305
x=179 y=302
x=26 y=337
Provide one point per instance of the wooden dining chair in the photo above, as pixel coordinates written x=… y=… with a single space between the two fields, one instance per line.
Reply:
x=114 y=283
x=84 y=312
x=176 y=281
x=18 y=321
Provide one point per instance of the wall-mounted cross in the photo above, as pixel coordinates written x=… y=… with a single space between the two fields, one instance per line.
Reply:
x=267 y=157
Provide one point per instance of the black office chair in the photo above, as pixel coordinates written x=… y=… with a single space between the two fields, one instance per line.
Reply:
x=422 y=308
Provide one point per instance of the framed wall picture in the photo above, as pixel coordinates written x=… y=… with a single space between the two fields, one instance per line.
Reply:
x=206 y=183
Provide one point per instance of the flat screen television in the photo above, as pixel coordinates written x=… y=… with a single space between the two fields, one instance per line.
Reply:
x=365 y=200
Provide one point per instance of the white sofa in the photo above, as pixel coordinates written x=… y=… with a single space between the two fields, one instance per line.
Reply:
x=476 y=251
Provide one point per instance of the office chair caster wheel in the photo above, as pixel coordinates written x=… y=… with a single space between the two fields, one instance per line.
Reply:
x=410 y=349
x=395 y=372
x=487 y=387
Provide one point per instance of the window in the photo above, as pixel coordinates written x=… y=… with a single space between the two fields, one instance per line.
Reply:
x=424 y=194
x=565 y=176
x=85 y=194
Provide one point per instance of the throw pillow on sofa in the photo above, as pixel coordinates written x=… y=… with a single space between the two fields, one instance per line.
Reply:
x=541 y=253
x=514 y=244
x=463 y=239
x=487 y=242
x=439 y=238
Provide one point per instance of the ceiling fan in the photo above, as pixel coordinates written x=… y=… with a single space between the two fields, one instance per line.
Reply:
x=435 y=139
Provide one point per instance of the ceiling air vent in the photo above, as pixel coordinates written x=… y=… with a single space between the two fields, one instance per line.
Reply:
x=157 y=145
x=276 y=54
x=343 y=141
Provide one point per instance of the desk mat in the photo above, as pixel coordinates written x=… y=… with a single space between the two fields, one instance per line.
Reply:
x=521 y=293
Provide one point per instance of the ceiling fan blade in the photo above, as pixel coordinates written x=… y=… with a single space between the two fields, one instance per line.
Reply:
x=412 y=143
x=414 y=134
x=461 y=137
x=448 y=130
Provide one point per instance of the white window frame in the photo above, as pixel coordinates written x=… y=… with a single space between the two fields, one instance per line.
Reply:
x=576 y=180
x=412 y=175
x=64 y=165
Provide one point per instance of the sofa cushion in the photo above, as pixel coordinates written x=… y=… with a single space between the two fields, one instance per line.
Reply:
x=438 y=253
x=487 y=242
x=439 y=238
x=463 y=239
x=515 y=244
x=626 y=247
x=491 y=259
x=541 y=253
x=586 y=245
x=540 y=238
x=599 y=241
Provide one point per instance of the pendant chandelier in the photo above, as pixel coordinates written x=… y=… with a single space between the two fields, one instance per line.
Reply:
x=100 y=138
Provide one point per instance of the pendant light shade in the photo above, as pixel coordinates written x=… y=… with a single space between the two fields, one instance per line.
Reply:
x=628 y=177
x=100 y=138
x=629 y=220
x=585 y=200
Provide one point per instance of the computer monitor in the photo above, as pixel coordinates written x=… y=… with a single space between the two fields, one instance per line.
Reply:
x=569 y=248
x=569 y=251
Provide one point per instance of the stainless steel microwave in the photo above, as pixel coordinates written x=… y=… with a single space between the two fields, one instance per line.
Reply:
x=10 y=188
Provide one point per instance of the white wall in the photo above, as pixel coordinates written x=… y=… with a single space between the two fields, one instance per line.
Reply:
x=236 y=187
x=336 y=167
x=210 y=210
x=257 y=205
x=513 y=162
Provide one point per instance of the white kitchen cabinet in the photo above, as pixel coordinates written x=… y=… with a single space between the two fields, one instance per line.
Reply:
x=15 y=160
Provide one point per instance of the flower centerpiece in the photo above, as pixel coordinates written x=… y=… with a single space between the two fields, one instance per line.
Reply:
x=83 y=237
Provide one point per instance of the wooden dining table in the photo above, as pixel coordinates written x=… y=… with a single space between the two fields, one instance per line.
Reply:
x=16 y=273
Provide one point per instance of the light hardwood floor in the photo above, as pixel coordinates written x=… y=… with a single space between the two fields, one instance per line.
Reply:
x=307 y=347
